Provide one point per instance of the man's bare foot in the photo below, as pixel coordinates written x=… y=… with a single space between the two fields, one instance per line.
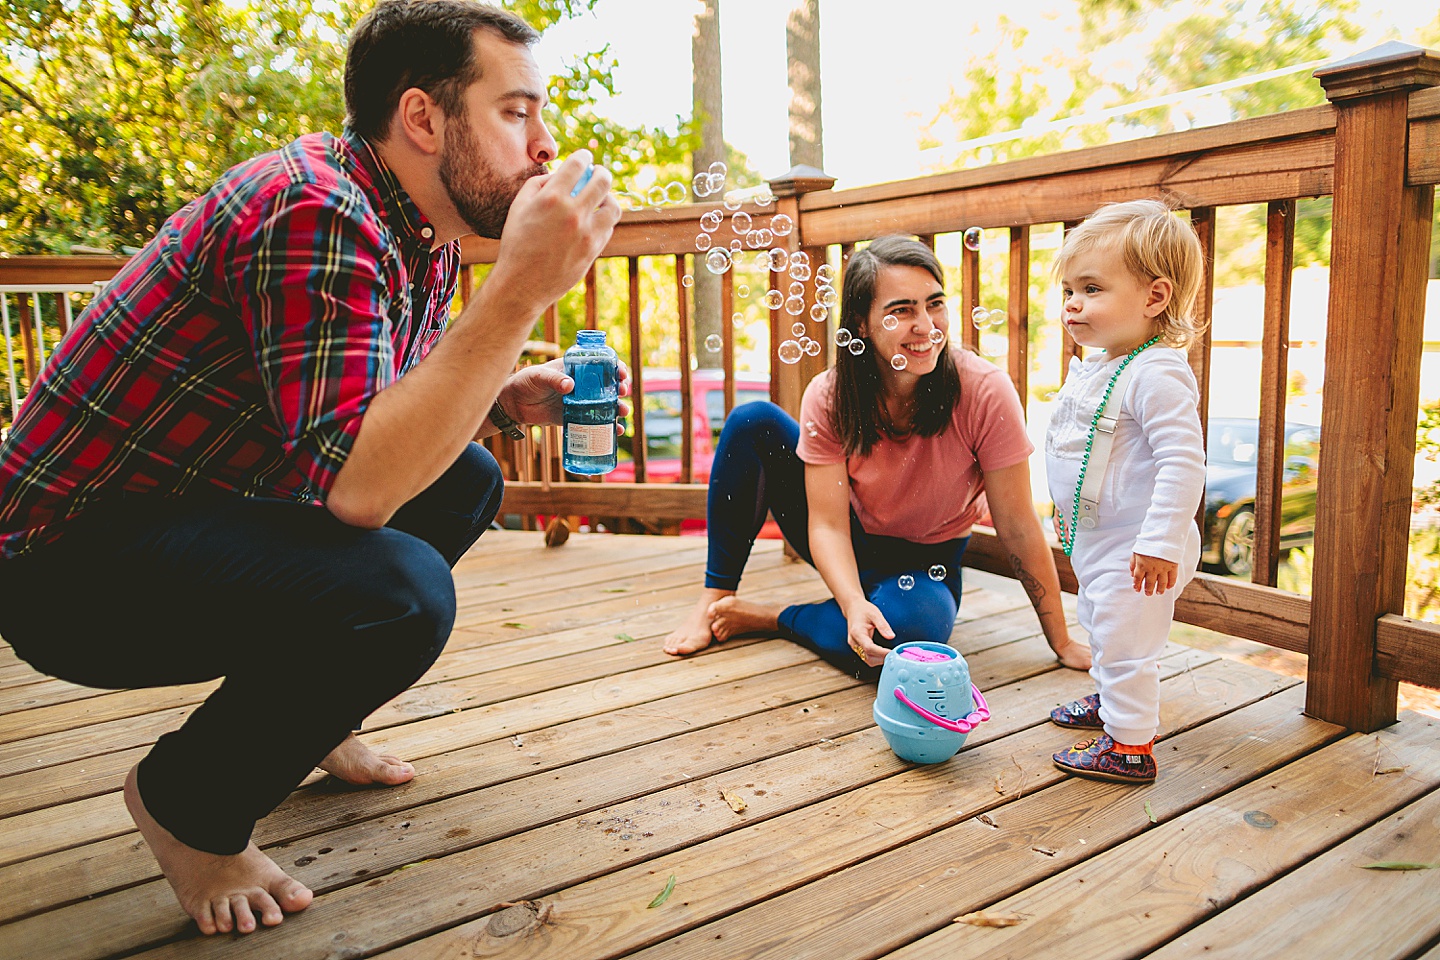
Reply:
x=733 y=616
x=694 y=633
x=356 y=763
x=1072 y=654
x=221 y=892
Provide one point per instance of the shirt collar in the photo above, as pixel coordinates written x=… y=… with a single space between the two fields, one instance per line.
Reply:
x=403 y=217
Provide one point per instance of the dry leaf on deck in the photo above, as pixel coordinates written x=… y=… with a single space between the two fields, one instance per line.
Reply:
x=663 y=895
x=1399 y=865
x=982 y=919
x=736 y=803
x=557 y=531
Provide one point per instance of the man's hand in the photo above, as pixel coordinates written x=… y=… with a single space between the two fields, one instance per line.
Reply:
x=862 y=620
x=1152 y=575
x=551 y=238
x=532 y=394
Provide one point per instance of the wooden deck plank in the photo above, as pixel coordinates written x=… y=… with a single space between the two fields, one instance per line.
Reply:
x=1373 y=913
x=899 y=896
x=1187 y=868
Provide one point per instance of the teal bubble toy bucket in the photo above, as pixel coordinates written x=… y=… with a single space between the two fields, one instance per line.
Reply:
x=926 y=704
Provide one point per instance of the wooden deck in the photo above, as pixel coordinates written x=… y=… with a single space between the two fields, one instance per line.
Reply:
x=569 y=770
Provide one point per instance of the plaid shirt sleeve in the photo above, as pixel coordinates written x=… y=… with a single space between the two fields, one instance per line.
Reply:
x=313 y=275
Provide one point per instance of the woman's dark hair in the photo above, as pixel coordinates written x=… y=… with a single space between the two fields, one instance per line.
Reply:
x=429 y=44
x=857 y=411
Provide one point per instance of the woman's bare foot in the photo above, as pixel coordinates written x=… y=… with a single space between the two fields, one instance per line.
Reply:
x=221 y=892
x=733 y=616
x=694 y=633
x=356 y=763
x=1072 y=654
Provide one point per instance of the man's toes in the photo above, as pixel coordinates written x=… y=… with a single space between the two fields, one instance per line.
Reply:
x=270 y=912
x=292 y=895
x=224 y=921
x=393 y=771
x=240 y=910
x=205 y=919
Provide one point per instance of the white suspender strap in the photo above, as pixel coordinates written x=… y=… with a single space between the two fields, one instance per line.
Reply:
x=1100 y=447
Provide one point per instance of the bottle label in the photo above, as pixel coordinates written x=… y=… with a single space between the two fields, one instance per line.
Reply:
x=583 y=440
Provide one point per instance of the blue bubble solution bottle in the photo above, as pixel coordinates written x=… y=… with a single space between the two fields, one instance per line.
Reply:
x=591 y=408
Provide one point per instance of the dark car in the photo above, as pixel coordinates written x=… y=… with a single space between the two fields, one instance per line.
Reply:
x=1232 y=448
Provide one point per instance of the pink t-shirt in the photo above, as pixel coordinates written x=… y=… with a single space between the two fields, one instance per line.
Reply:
x=925 y=489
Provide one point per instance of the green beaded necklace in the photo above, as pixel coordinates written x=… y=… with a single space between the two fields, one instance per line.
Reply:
x=1067 y=539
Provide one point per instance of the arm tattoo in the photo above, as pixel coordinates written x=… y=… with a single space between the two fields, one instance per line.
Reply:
x=1033 y=587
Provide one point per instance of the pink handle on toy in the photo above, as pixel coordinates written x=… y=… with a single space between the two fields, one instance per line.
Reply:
x=979 y=716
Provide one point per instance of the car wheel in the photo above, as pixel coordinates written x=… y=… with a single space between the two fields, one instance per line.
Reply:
x=1237 y=543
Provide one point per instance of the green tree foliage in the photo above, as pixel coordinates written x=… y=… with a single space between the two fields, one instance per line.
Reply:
x=114 y=113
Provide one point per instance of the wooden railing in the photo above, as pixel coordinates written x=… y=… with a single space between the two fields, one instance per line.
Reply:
x=1375 y=149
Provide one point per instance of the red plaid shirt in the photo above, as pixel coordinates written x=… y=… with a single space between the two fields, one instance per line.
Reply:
x=240 y=349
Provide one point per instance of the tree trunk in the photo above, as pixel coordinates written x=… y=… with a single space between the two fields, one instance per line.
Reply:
x=802 y=46
x=708 y=104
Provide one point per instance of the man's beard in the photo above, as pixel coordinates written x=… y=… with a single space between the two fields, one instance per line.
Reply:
x=480 y=195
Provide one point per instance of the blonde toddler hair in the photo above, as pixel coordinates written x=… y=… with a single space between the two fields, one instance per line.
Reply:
x=1153 y=243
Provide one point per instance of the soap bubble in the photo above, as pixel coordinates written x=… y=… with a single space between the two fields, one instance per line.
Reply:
x=827 y=296
x=700 y=185
x=999 y=318
x=819 y=312
x=825 y=274
x=710 y=221
x=765 y=236
x=736 y=246
x=937 y=336
x=737 y=319
x=702 y=242
x=731 y=202
x=781 y=225
x=937 y=572
x=718 y=169
x=799 y=271
x=980 y=317
x=713 y=343
x=656 y=196
x=675 y=192
x=779 y=260
x=774 y=299
x=717 y=260
x=742 y=290
x=856 y=347
x=812 y=348
x=797 y=329
x=797 y=289
x=740 y=222
x=794 y=306
x=972 y=238
x=764 y=199
x=686 y=280
x=800 y=256
x=889 y=321
x=789 y=352
x=754 y=241
x=843 y=336
x=717 y=183
x=810 y=428
x=898 y=362
x=906 y=581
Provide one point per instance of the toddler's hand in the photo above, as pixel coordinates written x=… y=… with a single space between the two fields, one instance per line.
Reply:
x=1152 y=575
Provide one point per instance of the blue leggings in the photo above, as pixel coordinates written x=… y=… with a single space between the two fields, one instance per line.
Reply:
x=756 y=470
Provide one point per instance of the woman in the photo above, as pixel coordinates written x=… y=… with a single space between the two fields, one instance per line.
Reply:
x=904 y=443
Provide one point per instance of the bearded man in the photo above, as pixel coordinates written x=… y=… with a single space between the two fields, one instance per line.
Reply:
x=254 y=453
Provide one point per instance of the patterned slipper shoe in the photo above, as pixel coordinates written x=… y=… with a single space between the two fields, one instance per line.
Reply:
x=1080 y=713
x=1101 y=758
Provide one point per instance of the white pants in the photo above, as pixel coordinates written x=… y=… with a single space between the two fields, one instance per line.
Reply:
x=1128 y=630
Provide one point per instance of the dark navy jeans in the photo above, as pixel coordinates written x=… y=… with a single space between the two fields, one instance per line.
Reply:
x=755 y=470
x=312 y=623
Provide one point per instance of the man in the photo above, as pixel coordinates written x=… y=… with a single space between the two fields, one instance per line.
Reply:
x=254 y=451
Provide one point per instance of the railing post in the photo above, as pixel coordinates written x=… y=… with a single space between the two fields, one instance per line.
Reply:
x=788 y=380
x=1378 y=264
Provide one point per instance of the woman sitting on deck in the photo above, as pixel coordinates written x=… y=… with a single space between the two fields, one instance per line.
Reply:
x=904 y=438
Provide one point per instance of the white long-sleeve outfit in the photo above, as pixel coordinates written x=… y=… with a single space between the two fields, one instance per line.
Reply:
x=1148 y=499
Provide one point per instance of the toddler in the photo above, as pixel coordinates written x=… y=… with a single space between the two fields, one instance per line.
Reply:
x=1129 y=275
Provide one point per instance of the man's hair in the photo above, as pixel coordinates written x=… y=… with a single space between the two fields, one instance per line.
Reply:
x=857 y=412
x=429 y=44
x=1153 y=243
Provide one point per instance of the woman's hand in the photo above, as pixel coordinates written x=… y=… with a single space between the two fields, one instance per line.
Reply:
x=862 y=620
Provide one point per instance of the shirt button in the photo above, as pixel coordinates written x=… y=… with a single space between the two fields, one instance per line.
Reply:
x=427 y=232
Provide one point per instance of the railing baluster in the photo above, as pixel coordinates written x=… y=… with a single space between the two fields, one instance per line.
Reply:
x=1019 y=310
x=637 y=373
x=1068 y=347
x=687 y=401
x=727 y=336
x=9 y=355
x=969 y=296
x=1274 y=374
x=1203 y=219
x=592 y=304
x=27 y=337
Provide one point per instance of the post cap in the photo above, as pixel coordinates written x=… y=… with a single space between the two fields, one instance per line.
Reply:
x=1389 y=67
x=801 y=179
